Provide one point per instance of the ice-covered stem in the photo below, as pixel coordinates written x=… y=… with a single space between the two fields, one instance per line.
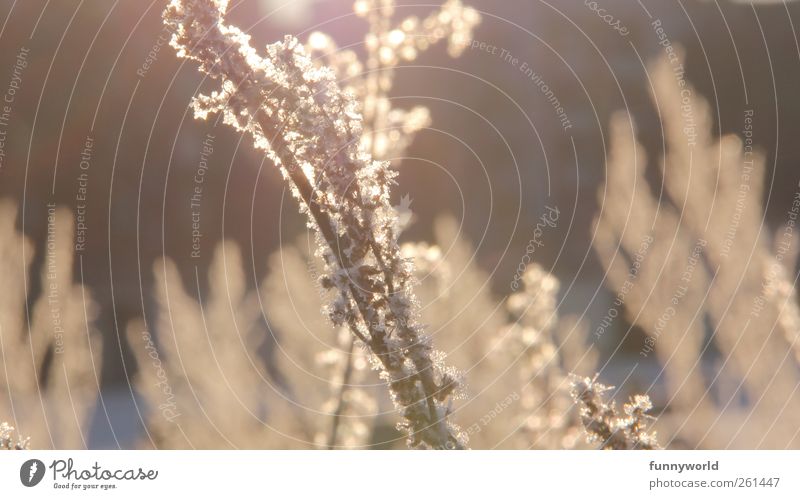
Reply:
x=311 y=130
x=605 y=425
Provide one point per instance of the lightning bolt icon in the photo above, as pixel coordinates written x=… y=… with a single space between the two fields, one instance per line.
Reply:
x=32 y=471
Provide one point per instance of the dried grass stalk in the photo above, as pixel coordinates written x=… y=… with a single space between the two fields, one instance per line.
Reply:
x=311 y=130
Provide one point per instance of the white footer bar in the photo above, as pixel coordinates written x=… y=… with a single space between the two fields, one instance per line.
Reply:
x=400 y=474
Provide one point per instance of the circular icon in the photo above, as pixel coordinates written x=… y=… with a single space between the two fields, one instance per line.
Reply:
x=31 y=472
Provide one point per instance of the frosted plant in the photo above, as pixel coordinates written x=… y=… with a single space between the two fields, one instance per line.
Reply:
x=530 y=342
x=9 y=442
x=717 y=296
x=328 y=379
x=519 y=390
x=50 y=382
x=204 y=386
x=604 y=423
x=311 y=130
x=202 y=383
x=464 y=317
x=387 y=130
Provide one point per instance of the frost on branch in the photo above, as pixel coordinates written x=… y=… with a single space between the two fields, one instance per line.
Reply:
x=604 y=423
x=311 y=130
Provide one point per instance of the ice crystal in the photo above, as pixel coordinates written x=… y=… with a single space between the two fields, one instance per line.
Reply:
x=604 y=423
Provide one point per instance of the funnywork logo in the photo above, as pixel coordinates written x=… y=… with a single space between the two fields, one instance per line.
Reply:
x=31 y=472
